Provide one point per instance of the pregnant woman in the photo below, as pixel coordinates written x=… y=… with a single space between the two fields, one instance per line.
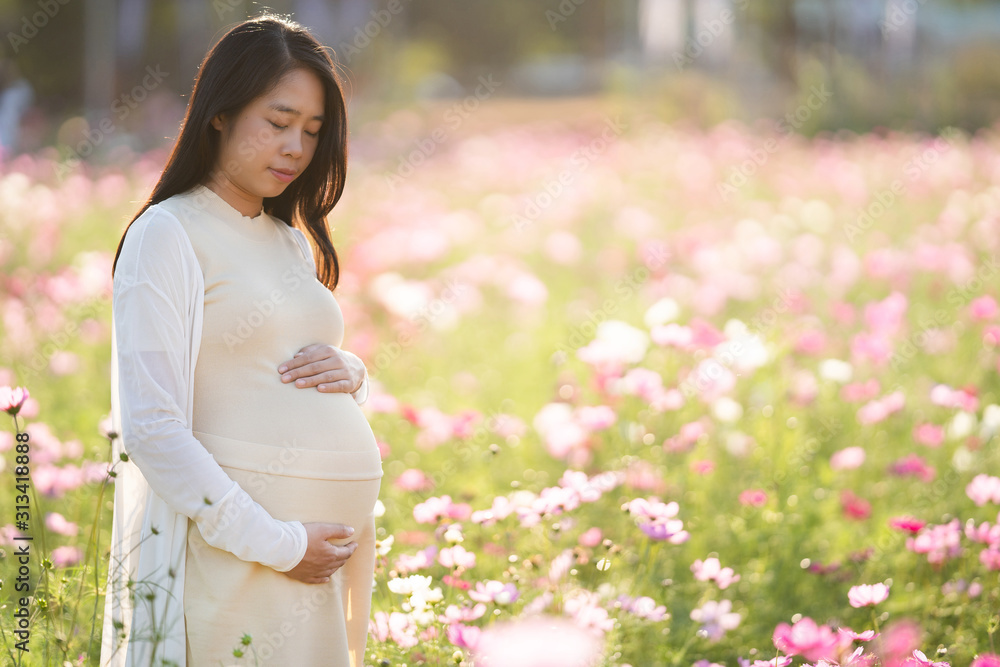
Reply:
x=246 y=472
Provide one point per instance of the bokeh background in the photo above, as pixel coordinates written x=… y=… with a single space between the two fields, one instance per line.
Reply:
x=681 y=318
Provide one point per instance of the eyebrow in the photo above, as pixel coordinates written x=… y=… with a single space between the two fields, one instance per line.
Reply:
x=277 y=106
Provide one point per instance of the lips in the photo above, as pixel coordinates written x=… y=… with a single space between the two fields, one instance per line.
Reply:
x=283 y=175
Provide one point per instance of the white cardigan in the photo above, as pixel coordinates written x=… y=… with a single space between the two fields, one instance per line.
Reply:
x=169 y=477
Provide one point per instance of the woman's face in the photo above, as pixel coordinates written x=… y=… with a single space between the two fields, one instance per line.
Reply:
x=276 y=133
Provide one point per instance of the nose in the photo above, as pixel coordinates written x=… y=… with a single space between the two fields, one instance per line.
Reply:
x=293 y=145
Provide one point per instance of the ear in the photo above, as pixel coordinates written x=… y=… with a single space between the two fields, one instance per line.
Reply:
x=218 y=122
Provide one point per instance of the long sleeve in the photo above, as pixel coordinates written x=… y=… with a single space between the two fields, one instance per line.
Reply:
x=152 y=311
x=361 y=393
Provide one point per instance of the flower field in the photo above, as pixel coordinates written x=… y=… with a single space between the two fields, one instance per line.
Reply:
x=646 y=394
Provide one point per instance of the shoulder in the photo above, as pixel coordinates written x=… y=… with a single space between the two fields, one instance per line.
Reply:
x=155 y=243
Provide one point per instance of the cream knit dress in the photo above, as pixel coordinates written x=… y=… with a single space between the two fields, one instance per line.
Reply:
x=300 y=453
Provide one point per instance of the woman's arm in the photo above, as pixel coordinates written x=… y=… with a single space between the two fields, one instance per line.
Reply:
x=152 y=312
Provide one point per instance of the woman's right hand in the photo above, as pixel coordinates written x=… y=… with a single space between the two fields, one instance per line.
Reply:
x=322 y=559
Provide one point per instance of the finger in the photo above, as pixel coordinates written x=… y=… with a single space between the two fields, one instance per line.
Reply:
x=335 y=385
x=301 y=357
x=339 y=531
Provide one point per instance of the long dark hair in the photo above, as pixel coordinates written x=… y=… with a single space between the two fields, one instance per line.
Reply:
x=246 y=63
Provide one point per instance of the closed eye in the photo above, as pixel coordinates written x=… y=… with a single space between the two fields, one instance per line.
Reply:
x=284 y=127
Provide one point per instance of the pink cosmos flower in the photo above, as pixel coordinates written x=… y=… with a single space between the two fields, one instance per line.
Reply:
x=396 y=626
x=964 y=399
x=899 y=640
x=702 y=467
x=986 y=660
x=983 y=489
x=66 y=555
x=57 y=523
x=457 y=556
x=464 y=636
x=434 y=509
x=865 y=636
x=806 y=638
x=407 y=564
x=753 y=498
x=848 y=458
x=12 y=399
x=595 y=417
x=539 y=641
x=854 y=507
x=867 y=595
x=939 y=542
x=592 y=537
x=586 y=610
x=494 y=591
x=907 y=524
x=915 y=465
x=984 y=532
x=456 y=614
x=716 y=618
x=710 y=569
x=644 y=607
x=983 y=308
x=414 y=479
x=918 y=659
x=860 y=391
x=928 y=434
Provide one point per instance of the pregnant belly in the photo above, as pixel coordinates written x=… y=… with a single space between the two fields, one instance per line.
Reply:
x=268 y=427
x=254 y=405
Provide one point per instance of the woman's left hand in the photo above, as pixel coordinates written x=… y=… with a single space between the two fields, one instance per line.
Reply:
x=326 y=367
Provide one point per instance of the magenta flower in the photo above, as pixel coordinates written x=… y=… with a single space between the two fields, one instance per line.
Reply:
x=907 y=524
x=986 y=660
x=867 y=595
x=811 y=641
x=912 y=464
